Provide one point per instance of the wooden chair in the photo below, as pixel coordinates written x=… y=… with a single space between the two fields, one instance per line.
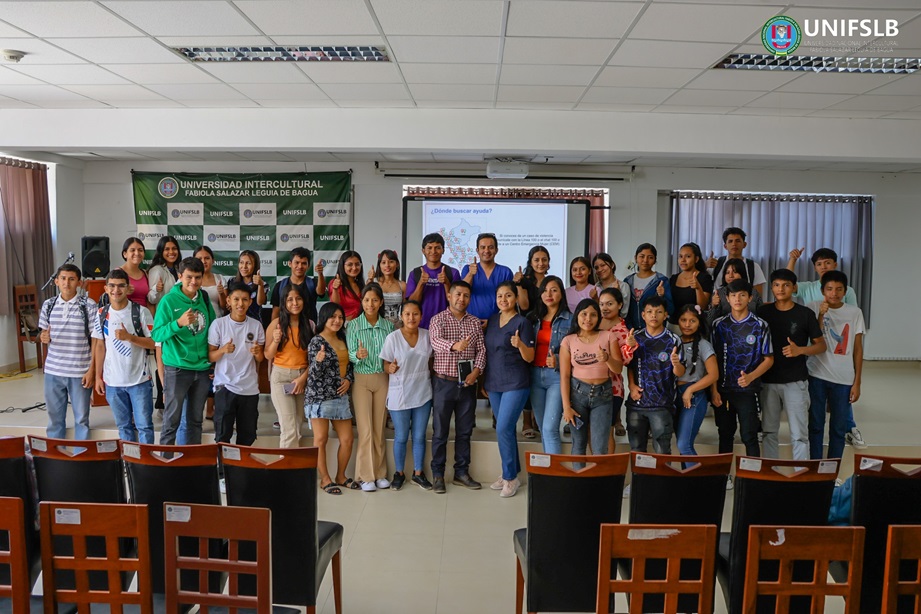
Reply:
x=26 y=303
x=81 y=471
x=14 y=577
x=207 y=523
x=98 y=578
x=16 y=481
x=792 y=547
x=903 y=594
x=557 y=554
x=675 y=545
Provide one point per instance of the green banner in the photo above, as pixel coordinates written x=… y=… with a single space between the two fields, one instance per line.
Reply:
x=270 y=214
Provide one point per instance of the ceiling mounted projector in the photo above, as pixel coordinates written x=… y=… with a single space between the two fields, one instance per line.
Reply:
x=506 y=169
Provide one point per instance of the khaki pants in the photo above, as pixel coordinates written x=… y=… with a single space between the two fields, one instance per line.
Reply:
x=369 y=395
x=288 y=407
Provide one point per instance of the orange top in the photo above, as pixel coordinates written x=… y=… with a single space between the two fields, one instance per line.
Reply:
x=292 y=356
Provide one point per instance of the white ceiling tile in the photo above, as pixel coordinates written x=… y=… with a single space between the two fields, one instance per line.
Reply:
x=409 y=157
x=449 y=73
x=908 y=85
x=216 y=41
x=187 y=92
x=114 y=92
x=628 y=76
x=255 y=72
x=328 y=40
x=82 y=103
x=454 y=104
x=219 y=103
x=264 y=156
x=535 y=104
x=282 y=91
x=9 y=76
x=9 y=103
x=159 y=103
x=361 y=91
x=312 y=156
x=702 y=22
x=51 y=19
x=119 y=50
x=38 y=93
x=754 y=80
x=619 y=108
x=457 y=157
x=358 y=156
x=351 y=72
x=784 y=100
x=446 y=17
x=627 y=95
x=539 y=93
x=38 y=52
x=446 y=49
x=376 y=104
x=888 y=104
x=289 y=104
x=726 y=98
x=558 y=18
x=149 y=74
x=532 y=74
x=911 y=115
x=693 y=110
x=8 y=31
x=775 y=112
x=458 y=93
x=186 y=17
x=669 y=54
x=567 y=51
x=849 y=114
x=217 y=156
x=70 y=74
x=309 y=17
x=839 y=83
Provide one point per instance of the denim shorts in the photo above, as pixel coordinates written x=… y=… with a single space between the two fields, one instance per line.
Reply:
x=332 y=409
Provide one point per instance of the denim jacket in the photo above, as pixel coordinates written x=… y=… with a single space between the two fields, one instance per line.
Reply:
x=634 y=319
x=559 y=328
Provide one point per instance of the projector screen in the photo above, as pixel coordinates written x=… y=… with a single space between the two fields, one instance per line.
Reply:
x=559 y=225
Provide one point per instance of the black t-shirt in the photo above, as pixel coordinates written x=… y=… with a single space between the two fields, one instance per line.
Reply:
x=800 y=325
x=688 y=296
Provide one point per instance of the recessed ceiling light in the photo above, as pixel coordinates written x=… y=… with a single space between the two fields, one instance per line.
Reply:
x=815 y=63
x=283 y=54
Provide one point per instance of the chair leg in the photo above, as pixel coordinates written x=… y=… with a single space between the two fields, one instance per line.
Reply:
x=22 y=358
x=519 y=586
x=337 y=582
x=39 y=354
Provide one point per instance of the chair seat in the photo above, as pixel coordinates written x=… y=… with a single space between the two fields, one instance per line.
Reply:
x=329 y=538
x=520 y=537
x=36 y=606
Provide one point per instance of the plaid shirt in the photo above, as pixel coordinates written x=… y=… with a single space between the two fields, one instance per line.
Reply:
x=445 y=330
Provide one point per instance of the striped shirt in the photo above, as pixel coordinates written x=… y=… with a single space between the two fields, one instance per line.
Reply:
x=372 y=339
x=69 y=351
x=445 y=330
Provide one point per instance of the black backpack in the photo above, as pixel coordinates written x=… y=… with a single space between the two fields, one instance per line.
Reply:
x=135 y=317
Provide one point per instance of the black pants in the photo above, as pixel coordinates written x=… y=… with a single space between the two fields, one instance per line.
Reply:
x=744 y=406
x=459 y=401
x=230 y=407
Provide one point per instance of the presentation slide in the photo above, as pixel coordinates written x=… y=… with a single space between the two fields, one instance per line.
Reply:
x=558 y=225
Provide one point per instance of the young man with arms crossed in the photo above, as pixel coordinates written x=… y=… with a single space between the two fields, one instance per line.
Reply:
x=429 y=284
x=122 y=372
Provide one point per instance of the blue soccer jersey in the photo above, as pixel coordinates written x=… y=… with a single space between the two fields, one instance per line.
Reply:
x=653 y=370
x=740 y=345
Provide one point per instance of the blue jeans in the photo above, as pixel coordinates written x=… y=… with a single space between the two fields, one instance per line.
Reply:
x=641 y=421
x=838 y=399
x=133 y=410
x=594 y=403
x=548 y=407
x=57 y=391
x=404 y=421
x=689 y=420
x=507 y=407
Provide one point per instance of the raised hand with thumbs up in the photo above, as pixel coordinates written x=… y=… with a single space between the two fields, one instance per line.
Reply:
x=321 y=354
x=517 y=277
x=712 y=262
x=46 y=335
x=371 y=274
x=743 y=379
x=660 y=289
x=336 y=284
x=393 y=367
x=443 y=276
x=121 y=333
x=362 y=351
x=516 y=339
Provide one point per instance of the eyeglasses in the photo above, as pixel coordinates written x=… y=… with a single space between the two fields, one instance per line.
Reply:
x=116 y=286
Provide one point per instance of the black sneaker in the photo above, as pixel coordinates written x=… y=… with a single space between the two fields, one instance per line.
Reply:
x=439 y=486
x=397 y=482
x=464 y=479
x=422 y=481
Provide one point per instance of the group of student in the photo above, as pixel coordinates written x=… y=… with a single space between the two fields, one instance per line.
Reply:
x=421 y=349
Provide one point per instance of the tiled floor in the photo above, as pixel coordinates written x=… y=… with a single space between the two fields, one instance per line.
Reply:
x=417 y=552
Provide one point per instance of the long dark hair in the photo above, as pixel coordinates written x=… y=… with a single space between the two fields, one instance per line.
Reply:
x=588 y=265
x=327 y=311
x=128 y=243
x=606 y=258
x=304 y=334
x=360 y=279
x=541 y=310
x=738 y=265
x=158 y=254
x=528 y=269
x=256 y=262
x=700 y=334
x=700 y=265
x=374 y=288
x=586 y=303
x=391 y=255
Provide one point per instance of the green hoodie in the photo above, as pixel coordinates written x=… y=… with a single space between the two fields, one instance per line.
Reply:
x=184 y=347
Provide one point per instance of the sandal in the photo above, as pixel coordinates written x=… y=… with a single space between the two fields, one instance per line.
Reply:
x=529 y=433
x=619 y=430
x=350 y=484
x=332 y=488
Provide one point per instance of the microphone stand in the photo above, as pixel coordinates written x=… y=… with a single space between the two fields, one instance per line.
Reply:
x=70 y=258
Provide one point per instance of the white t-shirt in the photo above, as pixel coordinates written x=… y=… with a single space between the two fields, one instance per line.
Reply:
x=237 y=371
x=836 y=363
x=411 y=385
x=125 y=363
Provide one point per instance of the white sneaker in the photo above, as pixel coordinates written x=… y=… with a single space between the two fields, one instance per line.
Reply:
x=383 y=483
x=510 y=488
x=854 y=438
x=498 y=484
x=223 y=486
x=627 y=491
x=729 y=483
x=368 y=486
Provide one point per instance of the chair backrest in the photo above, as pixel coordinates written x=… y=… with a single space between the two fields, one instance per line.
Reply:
x=674 y=544
x=207 y=523
x=886 y=491
x=14 y=560
x=566 y=507
x=157 y=474
x=16 y=481
x=79 y=471
x=790 y=547
x=98 y=577
x=26 y=302
x=665 y=492
x=902 y=582
x=775 y=492
x=285 y=481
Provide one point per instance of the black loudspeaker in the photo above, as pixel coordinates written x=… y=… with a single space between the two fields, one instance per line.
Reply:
x=95 y=252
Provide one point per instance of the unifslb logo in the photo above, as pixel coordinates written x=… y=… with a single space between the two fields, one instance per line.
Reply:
x=324 y=212
x=168 y=187
x=781 y=35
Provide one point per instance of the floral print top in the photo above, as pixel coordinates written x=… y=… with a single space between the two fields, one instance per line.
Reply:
x=323 y=379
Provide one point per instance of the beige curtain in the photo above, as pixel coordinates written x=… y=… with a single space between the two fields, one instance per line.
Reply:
x=25 y=228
